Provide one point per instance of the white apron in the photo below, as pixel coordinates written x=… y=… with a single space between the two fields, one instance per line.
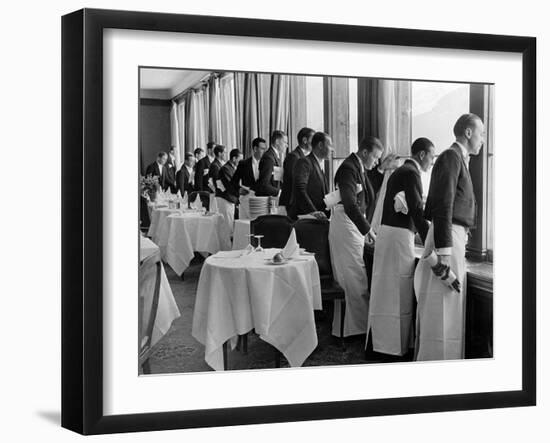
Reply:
x=227 y=210
x=244 y=211
x=391 y=297
x=441 y=311
x=346 y=250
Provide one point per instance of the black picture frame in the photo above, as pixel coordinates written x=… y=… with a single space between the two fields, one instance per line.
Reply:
x=82 y=232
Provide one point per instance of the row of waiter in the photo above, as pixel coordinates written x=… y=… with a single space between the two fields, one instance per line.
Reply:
x=386 y=311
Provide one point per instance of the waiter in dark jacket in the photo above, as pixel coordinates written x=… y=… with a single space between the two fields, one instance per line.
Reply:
x=349 y=230
x=202 y=170
x=171 y=168
x=226 y=197
x=185 y=177
x=158 y=169
x=451 y=207
x=303 y=149
x=270 y=166
x=310 y=182
x=391 y=297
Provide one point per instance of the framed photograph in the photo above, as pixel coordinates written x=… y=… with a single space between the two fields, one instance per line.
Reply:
x=236 y=245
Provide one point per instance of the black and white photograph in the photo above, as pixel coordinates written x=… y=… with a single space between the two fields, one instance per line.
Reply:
x=292 y=221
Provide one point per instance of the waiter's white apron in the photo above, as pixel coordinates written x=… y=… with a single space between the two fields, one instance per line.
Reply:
x=227 y=210
x=441 y=311
x=391 y=297
x=346 y=250
x=244 y=211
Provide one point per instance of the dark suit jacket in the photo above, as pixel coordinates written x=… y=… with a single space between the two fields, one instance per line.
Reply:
x=310 y=186
x=267 y=186
x=201 y=180
x=214 y=172
x=407 y=179
x=244 y=174
x=288 y=175
x=451 y=196
x=225 y=174
x=182 y=181
x=154 y=170
x=171 y=175
x=359 y=207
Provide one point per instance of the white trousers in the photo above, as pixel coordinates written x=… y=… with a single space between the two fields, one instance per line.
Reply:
x=391 y=297
x=346 y=250
x=244 y=207
x=441 y=311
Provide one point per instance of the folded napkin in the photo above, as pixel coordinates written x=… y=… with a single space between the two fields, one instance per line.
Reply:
x=307 y=217
x=400 y=203
x=220 y=185
x=213 y=204
x=277 y=173
x=292 y=248
x=332 y=198
x=227 y=254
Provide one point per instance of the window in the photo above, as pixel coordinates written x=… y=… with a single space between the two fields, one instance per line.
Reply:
x=314 y=103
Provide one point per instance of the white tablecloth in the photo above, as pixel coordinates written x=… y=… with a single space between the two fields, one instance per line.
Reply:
x=158 y=219
x=184 y=234
x=236 y=295
x=167 y=308
x=241 y=231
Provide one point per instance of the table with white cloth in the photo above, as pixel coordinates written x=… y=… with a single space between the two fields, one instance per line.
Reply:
x=237 y=294
x=167 y=310
x=241 y=232
x=184 y=233
x=158 y=219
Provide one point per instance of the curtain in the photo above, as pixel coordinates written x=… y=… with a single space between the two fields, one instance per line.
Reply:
x=215 y=116
x=280 y=102
x=250 y=113
x=174 y=133
x=265 y=98
x=227 y=106
x=181 y=129
x=384 y=111
x=239 y=83
x=297 y=118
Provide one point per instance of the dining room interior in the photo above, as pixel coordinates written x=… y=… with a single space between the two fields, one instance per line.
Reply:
x=229 y=277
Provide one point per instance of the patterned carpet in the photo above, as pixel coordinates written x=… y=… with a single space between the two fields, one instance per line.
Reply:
x=179 y=352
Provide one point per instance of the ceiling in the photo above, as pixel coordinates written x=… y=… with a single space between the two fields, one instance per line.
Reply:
x=166 y=83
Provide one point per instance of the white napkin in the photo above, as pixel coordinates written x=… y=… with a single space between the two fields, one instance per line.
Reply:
x=213 y=205
x=211 y=184
x=292 y=248
x=332 y=198
x=220 y=185
x=400 y=203
x=277 y=173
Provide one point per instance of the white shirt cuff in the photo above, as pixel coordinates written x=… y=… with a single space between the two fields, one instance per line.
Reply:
x=443 y=251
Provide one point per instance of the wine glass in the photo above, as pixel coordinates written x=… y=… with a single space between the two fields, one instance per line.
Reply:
x=259 y=247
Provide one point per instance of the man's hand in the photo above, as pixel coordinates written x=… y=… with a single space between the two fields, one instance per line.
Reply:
x=320 y=215
x=370 y=238
x=390 y=162
x=243 y=191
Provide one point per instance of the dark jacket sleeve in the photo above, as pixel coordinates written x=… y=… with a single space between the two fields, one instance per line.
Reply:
x=225 y=177
x=213 y=173
x=347 y=185
x=443 y=183
x=288 y=178
x=266 y=173
x=376 y=179
x=413 y=196
x=302 y=172
x=199 y=173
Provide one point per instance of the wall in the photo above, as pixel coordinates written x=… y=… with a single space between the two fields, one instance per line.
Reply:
x=154 y=121
x=30 y=381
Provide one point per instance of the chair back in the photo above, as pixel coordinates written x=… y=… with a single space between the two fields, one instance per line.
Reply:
x=313 y=236
x=274 y=227
x=203 y=195
x=149 y=292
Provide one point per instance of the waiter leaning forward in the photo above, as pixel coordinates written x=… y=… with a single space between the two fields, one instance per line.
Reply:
x=452 y=209
x=391 y=298
x=349 y=230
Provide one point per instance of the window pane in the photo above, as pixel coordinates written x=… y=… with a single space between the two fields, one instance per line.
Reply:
x=314 y=103
x=353 y=131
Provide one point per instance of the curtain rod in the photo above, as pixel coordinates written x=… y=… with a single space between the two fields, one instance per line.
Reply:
x=201 y=82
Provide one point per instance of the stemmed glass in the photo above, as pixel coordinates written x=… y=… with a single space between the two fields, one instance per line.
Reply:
x=259 y=247
x=249 y=248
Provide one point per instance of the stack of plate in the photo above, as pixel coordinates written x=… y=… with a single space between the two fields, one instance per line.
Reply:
x=258 y=206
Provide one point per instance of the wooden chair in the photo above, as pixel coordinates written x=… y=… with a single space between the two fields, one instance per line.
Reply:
x=313 y=236
x=149 y=292
x=275 y=228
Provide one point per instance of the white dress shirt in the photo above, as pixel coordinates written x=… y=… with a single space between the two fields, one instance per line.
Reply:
x=191 y=174
x=256 y=168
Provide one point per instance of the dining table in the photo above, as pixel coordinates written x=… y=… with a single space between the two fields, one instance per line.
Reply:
x=239 y=291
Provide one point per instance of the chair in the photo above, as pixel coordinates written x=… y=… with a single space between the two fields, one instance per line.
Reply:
x=313 y=236
x=203 y=195
x=275 y=228
x=144 y=219
x=149 y=290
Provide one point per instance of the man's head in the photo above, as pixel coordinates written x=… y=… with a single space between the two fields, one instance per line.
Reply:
x=304 y=138
x=235 y=156
x=321 y=144
x=162 y=157
x=190 y=159
x=219 y=152
x=279 y=140
x=370 y=150
x=172 y=151
x=199 y=153
x=423 y=152
x=258 y=147
x=469 y=131
x=210 y=148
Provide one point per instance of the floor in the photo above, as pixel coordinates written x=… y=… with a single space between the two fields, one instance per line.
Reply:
x=179 y=352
